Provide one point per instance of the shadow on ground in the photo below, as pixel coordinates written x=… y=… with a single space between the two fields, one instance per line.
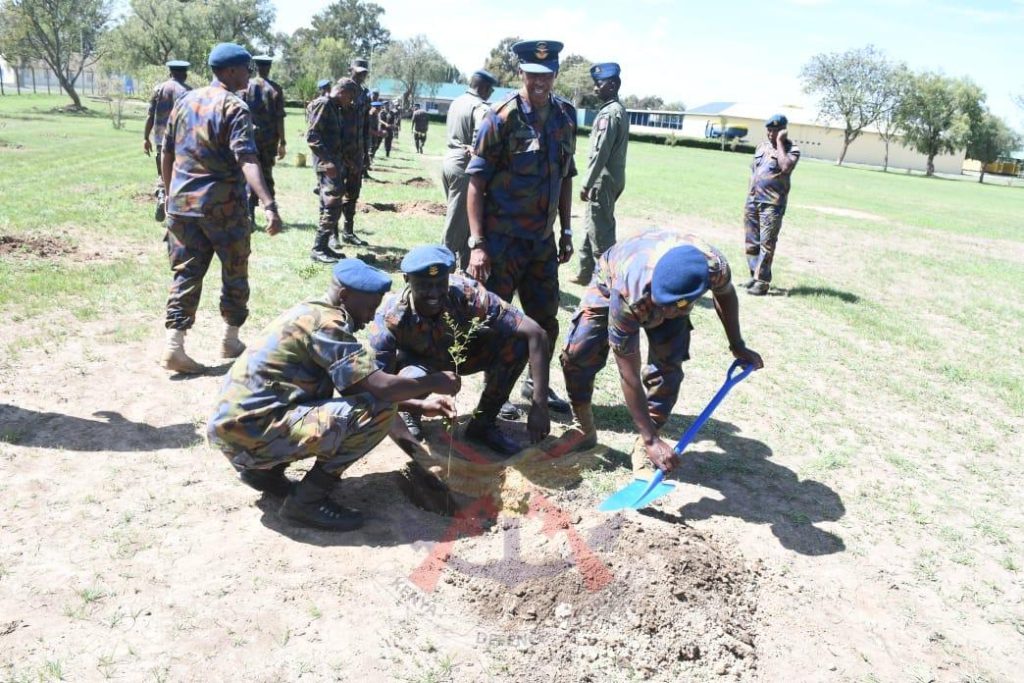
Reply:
x=112 y=432
x=847 y=297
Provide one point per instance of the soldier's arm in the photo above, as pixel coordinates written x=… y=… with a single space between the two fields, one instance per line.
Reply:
x=147 y=146
x=600 y=152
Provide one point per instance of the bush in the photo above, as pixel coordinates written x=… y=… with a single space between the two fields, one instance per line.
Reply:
x=673 y=140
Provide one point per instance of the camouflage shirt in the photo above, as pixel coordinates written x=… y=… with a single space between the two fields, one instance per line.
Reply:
x=161 y=103
x=266 y=105
x=209 y=129
x=768 y=184
x=303 y=356
x=420 y=121
x=622 y=284
x=397 y=327
x=523 y=163
x=354 y=126
x=324 y=135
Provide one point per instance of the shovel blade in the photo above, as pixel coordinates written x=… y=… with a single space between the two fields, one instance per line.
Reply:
x=629 y=496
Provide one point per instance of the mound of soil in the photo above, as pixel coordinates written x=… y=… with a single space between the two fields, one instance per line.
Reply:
x=420 y=207
x=640 y=598
x=40 y=247
x=418 y=181
x=387 y=262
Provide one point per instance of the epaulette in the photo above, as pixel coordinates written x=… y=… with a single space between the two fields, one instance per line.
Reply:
x=504 y=103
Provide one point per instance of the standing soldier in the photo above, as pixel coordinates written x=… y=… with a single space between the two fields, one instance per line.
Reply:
x=464 y=117
x=160 y=106
x=388 y=120
x=420 y=125
x=520 y=180
x=605 y=177
x=774 y=161
x=209 y=155
x=266 y=106
x=326 y=141
x=323 y=88
x=355 y=120
x=375 y=134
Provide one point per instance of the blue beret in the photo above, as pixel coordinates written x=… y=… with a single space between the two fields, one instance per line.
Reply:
x=486 y=75
x=354 y=274
x=323 y=83
x=263 y=59
x=680 y=275
x=228 y=54
x=178 y=64
x=776 y=121
x=599 y=72
x=376 y=104
x=428 y=260
x=538 y=56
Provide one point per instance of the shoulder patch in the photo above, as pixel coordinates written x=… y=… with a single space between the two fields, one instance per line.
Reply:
x=602 y=124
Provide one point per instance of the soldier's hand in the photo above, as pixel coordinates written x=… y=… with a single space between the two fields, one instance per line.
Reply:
x=438 y=406
x=565 y=248
x=282 y=149
x=783 y=135
x=661 y=455
x=479 y=267
x=274 y=223
x=584 y=195
x=748 y=356
x=147 y=147
x=448 y=383
x=538 y=424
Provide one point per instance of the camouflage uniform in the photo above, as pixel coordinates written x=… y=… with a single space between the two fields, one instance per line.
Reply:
x=765 y=207
x=618 y=303
x=161 y=103
x=207 y=132
x=420 y=126
x=325 y=141
x=606 y=172
x=354 y=124
x=388 y=117
x=419 y=346
x=524 y=171
x=266 y=105
x=277 y=404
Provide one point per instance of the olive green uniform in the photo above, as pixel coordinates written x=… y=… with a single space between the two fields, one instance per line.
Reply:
x=606 y=171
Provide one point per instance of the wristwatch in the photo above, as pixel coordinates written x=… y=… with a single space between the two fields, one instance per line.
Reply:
x=475 y=242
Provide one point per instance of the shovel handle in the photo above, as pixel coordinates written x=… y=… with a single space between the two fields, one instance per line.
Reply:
x=736 y=373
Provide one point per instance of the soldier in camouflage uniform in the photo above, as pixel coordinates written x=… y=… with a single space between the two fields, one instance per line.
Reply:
x=209 y=154
x=520 y=180
x=278 y=403
x=605 y=177
x=375 y=134
x=774 y=161
x=266 y=106
x=465 y=114
x=326 y=141
x=413 y=332
x=323 y=87
x=388 y=124
x=355 y=121
x=649 y=281
x=160 y=105
x=420 y=126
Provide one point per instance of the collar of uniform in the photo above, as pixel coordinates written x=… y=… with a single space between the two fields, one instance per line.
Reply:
x=524 y=102
x=215 y=83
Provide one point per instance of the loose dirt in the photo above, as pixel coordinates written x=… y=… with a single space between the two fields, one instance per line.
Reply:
x=34 y=246
x=418 y=181
x=419 y=207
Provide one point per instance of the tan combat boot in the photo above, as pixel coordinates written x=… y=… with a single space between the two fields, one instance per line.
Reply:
x=581 y=434
x=175 y=359
x=231 y=346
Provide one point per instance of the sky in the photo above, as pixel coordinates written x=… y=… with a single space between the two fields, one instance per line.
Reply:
x=752 y=52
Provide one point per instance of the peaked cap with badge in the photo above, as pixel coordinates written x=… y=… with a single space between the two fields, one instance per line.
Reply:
x=538 y=56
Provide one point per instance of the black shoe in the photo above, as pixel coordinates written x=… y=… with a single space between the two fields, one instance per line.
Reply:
x=333 y=243
x=582 y=279
x=414 y=424
x=160 y=213
x=322 y=253
x=748 y=284
x=759 y=288
x=509 y=412
x=321 y=514
x=270 y=481
x=316 y=190
x=555 y=402
x=352 y=238
x=488 y=434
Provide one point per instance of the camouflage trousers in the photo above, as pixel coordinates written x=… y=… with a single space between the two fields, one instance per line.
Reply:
x=586 y=352
x=336 y=431
x=332 y=197
x=500 y=359
x=267 y=156
x=353 y=185
x=762 y=224
x=599 y=227
x=191 y=245
x=530 y=268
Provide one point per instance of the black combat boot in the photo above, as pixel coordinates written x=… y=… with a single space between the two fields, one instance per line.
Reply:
x=321 y=253
x=555 y=402
x=349 y=236
x=333 y=242
x=309 y=504
x=414 y=424
x=272 y=481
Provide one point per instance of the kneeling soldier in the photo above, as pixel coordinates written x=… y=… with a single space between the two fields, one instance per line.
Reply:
x=414 y=331
x=649 y=281
x=278 y=403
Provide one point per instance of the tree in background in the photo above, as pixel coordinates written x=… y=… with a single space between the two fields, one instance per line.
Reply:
x=503 y=63
x=64 y=34
x=894 y=89
x=990 y=138
x=354 y=22
x=413 y=63
x=305 y=61
x=575 y=84
x=848 y=87
x=645 y=102
x=937 y=114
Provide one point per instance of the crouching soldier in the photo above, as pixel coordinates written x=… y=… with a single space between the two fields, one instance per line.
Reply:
x=278 y=403
x=649 y=281
x=414 y=330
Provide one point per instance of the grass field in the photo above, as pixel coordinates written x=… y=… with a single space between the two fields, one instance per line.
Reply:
x=875 y=464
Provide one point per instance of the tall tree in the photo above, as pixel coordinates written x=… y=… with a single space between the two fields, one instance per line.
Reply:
x=64 y=34
x=307 y=60
x=355 y=22
x=415 y=63
x=574 y=82
x=989 y=139
x=847 y=86
x=937 y=113
x=894 y=88
x=503 y=63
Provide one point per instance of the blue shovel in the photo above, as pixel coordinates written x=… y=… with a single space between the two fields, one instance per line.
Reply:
x=639 y=494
